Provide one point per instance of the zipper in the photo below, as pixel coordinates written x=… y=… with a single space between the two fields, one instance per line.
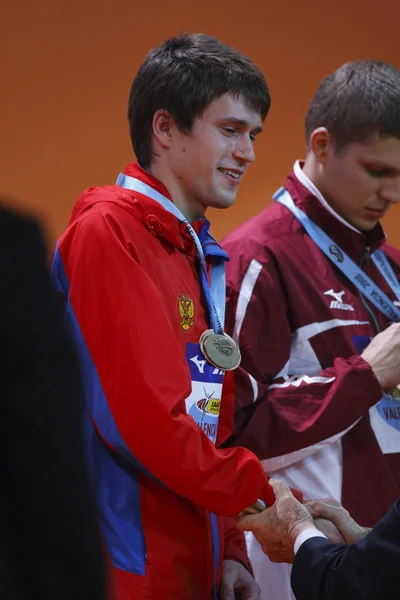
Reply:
x=365 y=260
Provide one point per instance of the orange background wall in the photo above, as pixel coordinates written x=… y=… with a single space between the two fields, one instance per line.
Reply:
x=66 y=69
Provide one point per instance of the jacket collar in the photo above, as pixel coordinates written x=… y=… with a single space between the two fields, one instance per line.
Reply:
x=164 y=224
x=307 y=197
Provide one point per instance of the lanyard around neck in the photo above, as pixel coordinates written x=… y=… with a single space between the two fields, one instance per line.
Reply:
x=215 y=295
x=364 y=283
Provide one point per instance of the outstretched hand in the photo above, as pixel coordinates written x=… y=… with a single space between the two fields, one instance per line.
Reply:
x=333 y=511
x=277 y=527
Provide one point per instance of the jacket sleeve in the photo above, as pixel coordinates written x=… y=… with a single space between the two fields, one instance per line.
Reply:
x=139 y=377
x=362 y=571
x=278 y=415
x=235 y=543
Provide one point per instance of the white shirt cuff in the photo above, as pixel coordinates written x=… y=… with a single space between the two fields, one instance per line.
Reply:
x=306 y=535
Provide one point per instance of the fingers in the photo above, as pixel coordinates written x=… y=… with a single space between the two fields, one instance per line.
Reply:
x=228 y=581
x=329 y=501
x=326 y=511
x=330 y=530
x=253 y=509
x=280 y=489
x=248 y=522
x=252 y=592
x=227 y=591
x=237 y=580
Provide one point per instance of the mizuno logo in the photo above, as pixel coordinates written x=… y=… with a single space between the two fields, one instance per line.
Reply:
x=337 y=301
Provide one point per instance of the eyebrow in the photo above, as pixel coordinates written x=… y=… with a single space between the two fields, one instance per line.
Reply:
x=242 y=123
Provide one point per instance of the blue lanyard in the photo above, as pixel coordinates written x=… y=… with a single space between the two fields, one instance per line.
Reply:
x=366 y=286
x=382 y=264
x=216 y=295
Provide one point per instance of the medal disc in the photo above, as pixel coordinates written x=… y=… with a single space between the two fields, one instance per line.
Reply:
x=204 y=335
x=220 y=350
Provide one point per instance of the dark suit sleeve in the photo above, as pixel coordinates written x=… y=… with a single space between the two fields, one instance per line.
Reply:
x=49 y=536
x=367 y=570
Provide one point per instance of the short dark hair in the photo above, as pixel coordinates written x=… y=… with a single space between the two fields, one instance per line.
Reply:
x=184 y=75
x=357 y=100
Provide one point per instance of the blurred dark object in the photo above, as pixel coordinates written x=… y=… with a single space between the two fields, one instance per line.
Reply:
x=50 y=546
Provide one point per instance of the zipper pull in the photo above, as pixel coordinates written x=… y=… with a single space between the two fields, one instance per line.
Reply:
x=367 y=253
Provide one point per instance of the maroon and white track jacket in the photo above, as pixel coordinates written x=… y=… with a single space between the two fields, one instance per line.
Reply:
x=307 y=404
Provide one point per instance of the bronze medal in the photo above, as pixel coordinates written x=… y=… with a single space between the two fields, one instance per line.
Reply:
x=220 y=350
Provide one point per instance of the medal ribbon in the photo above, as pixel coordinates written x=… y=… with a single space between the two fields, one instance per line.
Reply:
x=364 y=283
x=214 y=295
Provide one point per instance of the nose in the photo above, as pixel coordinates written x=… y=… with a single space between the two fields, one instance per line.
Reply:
x=391 y=193
x=244 y=150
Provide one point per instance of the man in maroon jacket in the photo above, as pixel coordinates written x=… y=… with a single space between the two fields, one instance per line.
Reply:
x=310 y=282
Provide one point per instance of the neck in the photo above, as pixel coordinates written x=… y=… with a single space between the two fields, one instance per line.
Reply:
x=310 y=168
x=314 y=171
x=190 y=208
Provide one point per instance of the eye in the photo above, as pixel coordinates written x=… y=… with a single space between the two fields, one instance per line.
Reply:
x=377 y=171
x=229 y=130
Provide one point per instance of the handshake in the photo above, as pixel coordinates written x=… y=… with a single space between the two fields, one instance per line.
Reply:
x=277 y=527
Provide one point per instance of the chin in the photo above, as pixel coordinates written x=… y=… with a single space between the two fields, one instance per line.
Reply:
x=222 y=201
x=366 y=225
x=223 y=205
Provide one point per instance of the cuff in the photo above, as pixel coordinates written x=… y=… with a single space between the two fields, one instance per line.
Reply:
x=306 y=535
x=372 y=384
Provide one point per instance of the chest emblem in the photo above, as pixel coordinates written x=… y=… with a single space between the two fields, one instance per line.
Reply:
x=337 y=301
x=209 y=405
x=186 y=311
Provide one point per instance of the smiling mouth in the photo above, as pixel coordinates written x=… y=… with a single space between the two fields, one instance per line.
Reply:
x=234 y=175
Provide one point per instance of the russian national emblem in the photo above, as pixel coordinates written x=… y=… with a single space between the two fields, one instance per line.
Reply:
x=186 y=311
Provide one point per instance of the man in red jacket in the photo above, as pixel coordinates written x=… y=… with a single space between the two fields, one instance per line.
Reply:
x=144 y=285
x=310 y=282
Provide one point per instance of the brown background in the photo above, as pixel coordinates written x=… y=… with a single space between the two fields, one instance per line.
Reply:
x=66 y=69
